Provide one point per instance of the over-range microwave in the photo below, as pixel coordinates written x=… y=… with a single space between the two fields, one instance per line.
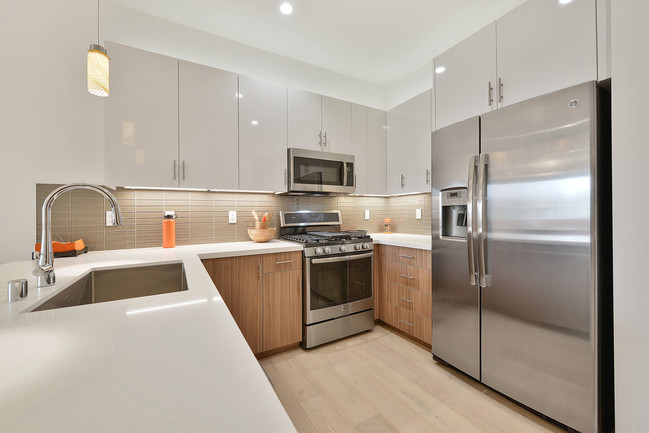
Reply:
x=312 y=171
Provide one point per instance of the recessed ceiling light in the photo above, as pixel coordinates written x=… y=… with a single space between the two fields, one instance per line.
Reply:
x=564 y=2
x=286 y=8
x=439 y=69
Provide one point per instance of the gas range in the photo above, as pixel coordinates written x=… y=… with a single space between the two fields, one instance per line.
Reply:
x=337 y=275
x=319 y=232
x=331 y=243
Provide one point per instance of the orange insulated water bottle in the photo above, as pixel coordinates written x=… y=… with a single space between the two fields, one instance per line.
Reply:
x=169 y=229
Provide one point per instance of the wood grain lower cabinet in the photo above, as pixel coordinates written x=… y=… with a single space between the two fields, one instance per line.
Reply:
x=404 y=290
x=264 y=296
x=247 y=300
x=282 y=309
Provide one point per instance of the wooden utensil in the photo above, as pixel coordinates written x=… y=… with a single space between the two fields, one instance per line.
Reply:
x=254 y=214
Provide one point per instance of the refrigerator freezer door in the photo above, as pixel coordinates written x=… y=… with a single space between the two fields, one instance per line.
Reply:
x=539 y=303
x=456 y=303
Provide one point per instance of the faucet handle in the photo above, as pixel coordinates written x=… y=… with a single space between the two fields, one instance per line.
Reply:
x=17 y=290
x=36 y=255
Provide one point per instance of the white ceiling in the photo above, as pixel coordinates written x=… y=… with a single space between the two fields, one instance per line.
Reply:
x=377 y=41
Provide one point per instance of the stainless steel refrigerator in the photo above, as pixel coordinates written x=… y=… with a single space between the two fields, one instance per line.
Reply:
x=521 y=253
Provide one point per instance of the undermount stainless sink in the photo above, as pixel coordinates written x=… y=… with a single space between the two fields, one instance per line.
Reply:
x=105 y=285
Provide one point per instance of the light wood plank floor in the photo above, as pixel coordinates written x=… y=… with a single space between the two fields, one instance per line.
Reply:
x=381 y=382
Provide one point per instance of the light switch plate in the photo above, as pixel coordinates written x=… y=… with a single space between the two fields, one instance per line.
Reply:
x=232 y=216
x=418 y=214
x=109 y=219
x=367 y=214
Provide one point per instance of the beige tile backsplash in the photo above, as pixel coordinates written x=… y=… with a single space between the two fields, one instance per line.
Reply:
x=202 y=217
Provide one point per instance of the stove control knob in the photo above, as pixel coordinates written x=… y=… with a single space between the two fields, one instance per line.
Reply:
x=366 y=246
x=358 y=246
x=343 y=248
x=327 y=250
x=318 y=251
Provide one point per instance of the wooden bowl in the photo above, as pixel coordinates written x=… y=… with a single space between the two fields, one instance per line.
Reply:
x=262 y=235
x=260 y=225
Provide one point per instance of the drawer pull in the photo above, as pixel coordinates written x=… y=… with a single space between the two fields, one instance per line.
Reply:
x=360 y=283
x=407 y=300
x=282 y=262
x=406 y=257
x=409 y=324
x=407 y=276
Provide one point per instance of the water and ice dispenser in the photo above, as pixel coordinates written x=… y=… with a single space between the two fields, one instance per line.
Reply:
x=453 y=216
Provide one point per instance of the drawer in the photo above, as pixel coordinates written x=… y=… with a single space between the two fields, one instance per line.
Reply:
x=410 y=276
x=412 y=324
x=410 y=300
x=281 y=261
x=409 y=256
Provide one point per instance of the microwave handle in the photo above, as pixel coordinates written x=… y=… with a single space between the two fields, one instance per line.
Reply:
x=345 y=173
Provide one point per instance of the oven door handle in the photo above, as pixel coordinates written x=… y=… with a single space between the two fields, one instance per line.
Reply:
x=341 y=258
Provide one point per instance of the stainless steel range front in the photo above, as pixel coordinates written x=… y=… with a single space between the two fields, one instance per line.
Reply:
x=338 y=298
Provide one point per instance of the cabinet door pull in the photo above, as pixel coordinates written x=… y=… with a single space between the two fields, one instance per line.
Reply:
x=320 y=139
x=407 y=300
x=500 y=89
x=407 y=323
x=427 y=176
x=407 y=276
x=259 y=270
x=403 y=181
x=325 y=140
x=490 y=96
x=183 y=170
x=284 y=261
x=406 y=257
x=174 y=169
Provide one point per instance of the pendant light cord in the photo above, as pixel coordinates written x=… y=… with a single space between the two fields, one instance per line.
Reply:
x=98 y=23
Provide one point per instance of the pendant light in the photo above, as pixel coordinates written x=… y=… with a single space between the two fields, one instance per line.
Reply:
x=98 y=66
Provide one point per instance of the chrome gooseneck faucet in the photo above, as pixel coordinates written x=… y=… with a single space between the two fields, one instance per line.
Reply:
x=44 y=267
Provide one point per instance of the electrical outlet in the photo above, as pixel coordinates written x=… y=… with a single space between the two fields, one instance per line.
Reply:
x=367 y=214
x=109 y=219
x=418 y=214
x=232 y=216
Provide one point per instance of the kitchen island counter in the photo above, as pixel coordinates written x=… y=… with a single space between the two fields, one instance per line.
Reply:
x=164 y=363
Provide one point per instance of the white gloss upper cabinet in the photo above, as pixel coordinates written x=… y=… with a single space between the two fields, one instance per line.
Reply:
x=396 y=150
x=359 y=147
x=319 y=122
x=337 y=125
x=208 y=125
x=304 y=120
x=418 y=135
x=376 y=152
x=262 y=135
x=545 y=46
x=465 y=88
x=141 y=119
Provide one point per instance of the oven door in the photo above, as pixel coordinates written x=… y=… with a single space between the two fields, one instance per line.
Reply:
x=313 y=171
x=338 y=286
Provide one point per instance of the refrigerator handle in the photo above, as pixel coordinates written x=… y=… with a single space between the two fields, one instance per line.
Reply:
x=473 y=162
x=482 y=220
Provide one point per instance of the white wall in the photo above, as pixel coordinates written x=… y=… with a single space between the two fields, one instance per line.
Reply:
x=630 y=96
x=51 y=128
x=410 y=86
x=136 y=29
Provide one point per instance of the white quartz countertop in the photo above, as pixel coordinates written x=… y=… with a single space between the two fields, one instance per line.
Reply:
x=175 y=362
x=422 y=242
